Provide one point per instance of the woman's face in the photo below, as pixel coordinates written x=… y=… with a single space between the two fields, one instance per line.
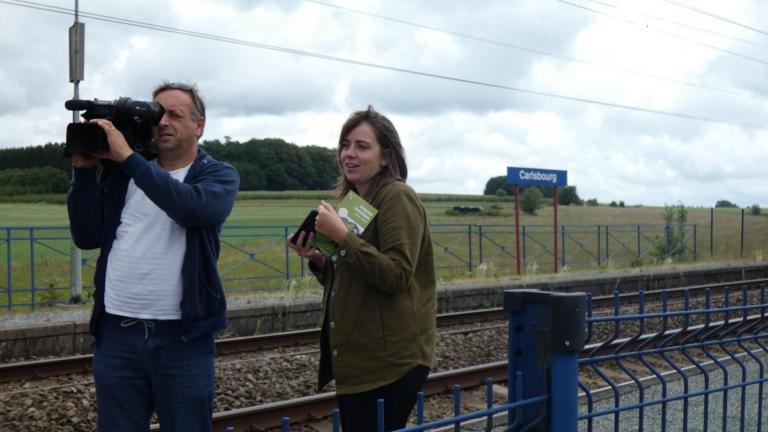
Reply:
x=361 y=156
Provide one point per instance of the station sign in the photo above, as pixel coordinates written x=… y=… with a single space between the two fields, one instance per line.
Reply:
x=537 y=177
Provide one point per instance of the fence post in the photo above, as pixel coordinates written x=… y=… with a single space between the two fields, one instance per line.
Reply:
x=712 y=231
x=9 y=267
x=480 y=244
x=694 y=242
x=546 y=333
x=525 y=257
x=32 y=287
x=469 y=243
x=75 y=276
x=598 y=246
x=562 y=246
x=287 y=251
x=742 y=233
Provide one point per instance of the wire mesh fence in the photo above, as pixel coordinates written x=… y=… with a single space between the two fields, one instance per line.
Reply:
x=35 y=262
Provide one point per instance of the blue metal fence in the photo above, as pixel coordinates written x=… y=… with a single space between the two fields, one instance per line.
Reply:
x=545 y=334
x=680 y=363
x=35 y=261
x=35 y=265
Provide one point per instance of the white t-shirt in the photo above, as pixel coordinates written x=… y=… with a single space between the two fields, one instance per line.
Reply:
x=143 y=278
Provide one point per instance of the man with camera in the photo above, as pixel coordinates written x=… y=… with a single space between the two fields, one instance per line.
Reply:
x=158 y=298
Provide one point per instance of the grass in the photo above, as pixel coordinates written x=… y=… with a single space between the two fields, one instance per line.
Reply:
x=33 y=214
x=250 y=254
x=290 y=207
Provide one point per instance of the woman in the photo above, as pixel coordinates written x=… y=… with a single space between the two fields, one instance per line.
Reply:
x=378 y=333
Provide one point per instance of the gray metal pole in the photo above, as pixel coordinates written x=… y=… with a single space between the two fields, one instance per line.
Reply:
x=76 y=270
x=75 y=264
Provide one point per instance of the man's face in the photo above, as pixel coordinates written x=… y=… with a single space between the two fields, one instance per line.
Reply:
x=180 y=126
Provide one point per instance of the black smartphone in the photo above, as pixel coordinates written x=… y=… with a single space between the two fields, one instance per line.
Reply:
x=307 y=227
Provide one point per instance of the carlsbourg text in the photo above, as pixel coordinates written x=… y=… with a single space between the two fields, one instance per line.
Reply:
x=538 y=175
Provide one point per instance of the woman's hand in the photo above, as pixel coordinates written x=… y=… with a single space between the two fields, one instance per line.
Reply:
x=310 y=253
x=329 y=224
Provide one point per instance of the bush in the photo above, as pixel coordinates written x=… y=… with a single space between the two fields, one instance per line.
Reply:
x=673 y=246
x=530 y=201
x=27 y=181
x=501 y=193
x=468 y=209
x=495 y=210
x=58 y=199
x=592 y=202
x=755 y=209
x=568 y=196
x=613 y=204
x=725 y=204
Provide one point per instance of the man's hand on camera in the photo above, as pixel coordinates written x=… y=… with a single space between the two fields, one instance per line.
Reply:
x=119 y=150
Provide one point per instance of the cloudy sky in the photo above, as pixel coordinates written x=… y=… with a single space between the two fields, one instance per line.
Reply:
x=650 y=102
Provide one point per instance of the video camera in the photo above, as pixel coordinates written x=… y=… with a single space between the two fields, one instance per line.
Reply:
x=133 y=118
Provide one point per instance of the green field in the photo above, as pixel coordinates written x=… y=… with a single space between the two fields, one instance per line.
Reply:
x=286 y=208
x=255 y=258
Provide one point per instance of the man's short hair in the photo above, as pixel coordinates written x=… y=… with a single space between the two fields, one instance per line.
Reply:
x=190 y=89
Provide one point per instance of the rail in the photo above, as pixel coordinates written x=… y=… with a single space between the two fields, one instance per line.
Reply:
x=695 y=365
x=599 y=304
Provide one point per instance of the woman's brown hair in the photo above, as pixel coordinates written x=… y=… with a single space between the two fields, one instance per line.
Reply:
x=391 y=149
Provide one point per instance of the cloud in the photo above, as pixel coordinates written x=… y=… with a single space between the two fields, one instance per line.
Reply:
x=456 y=134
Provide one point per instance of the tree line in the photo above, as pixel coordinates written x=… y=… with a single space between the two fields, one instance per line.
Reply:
x=264 y=164
x=531 y=196
x=275 y=165
x=499 y=186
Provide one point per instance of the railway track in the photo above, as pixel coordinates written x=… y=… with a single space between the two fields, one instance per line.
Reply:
x=82 y=363
x=271 y=414
x=321 y=405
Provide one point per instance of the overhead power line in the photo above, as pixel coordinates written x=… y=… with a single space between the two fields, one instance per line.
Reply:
x=208 y=36
x=538 y=52
x=717 y=17
x=723 y=50
x=688 y=26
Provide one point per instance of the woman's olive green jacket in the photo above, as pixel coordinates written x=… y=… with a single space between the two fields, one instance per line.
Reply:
x=380 y=297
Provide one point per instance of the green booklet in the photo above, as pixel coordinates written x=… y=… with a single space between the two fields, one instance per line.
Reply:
x=356 y=214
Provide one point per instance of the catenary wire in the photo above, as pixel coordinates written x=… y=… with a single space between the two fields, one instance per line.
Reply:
x=717 y=17
x=688 y=26
x=310 y=54
x=539 y=52
x=628 y=21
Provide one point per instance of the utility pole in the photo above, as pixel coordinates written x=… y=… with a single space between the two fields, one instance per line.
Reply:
x=76 y=74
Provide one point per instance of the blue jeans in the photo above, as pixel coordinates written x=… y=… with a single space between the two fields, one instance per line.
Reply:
x=142 y=366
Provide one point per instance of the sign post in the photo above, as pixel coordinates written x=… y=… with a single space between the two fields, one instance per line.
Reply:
x=76 y=74
x=535 y=177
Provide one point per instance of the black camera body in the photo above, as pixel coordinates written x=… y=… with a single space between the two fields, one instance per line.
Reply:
x=131 y=117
